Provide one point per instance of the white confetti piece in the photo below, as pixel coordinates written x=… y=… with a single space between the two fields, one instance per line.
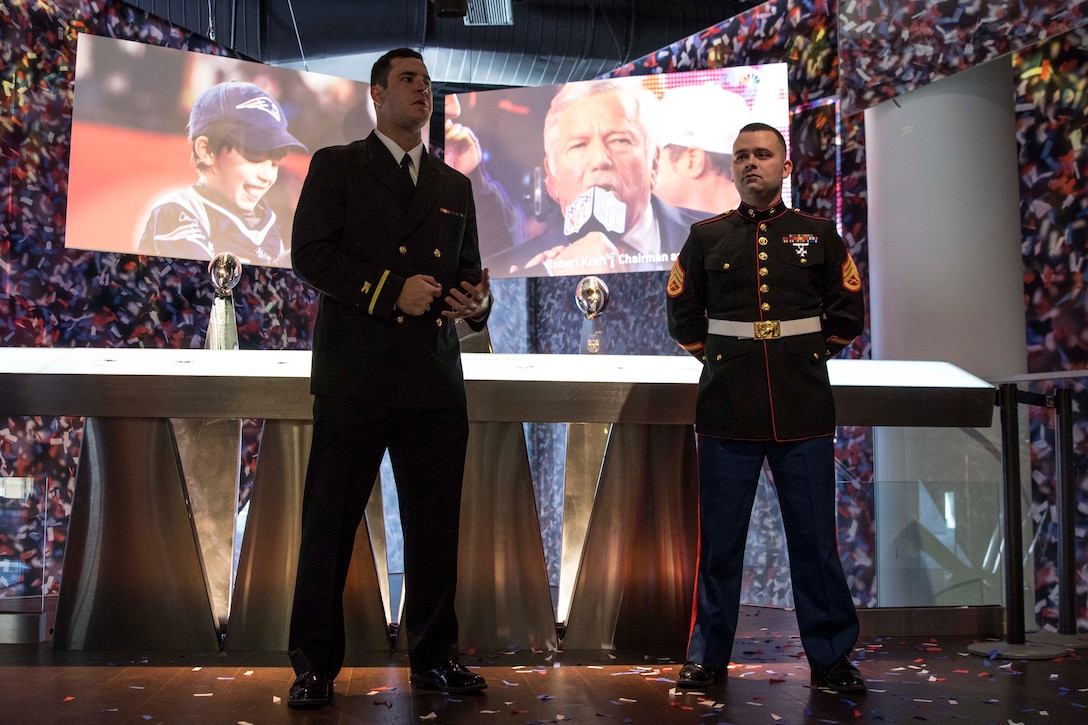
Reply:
x=489 y=712
x=428 y=716
x=197 y=669
x=275 y=699
x=202 y=694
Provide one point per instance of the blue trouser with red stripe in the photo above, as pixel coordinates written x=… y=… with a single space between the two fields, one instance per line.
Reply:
x=804 y=477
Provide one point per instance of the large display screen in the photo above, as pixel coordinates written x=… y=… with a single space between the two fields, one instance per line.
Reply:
x=180 y=154
x=605 y=176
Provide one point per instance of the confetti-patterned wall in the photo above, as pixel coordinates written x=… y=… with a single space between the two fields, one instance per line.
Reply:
x=889 y=48
x=1052 y=133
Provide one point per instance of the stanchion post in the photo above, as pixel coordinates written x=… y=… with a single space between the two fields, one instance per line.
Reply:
x=1014 y=543
x=1067 y=575
x=1015 y=645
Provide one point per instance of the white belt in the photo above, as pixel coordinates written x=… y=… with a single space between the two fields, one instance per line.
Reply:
x=763 y=329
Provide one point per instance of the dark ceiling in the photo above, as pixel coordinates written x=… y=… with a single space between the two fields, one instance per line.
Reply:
x=550 y=41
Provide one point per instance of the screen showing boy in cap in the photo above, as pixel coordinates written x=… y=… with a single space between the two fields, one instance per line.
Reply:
x=238 y=135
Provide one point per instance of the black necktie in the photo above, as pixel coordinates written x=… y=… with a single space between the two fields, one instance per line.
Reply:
x=406 y=165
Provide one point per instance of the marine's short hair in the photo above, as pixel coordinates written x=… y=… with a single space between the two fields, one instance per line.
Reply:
x=760 y=126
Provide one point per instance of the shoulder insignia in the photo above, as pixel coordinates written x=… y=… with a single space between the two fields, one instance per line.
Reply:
x=806 y=215
x=676 y=280
x=723 y=215
x=851 y=278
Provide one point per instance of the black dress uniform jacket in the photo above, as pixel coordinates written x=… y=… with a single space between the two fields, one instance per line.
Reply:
x=765 y=264
x=363 y=347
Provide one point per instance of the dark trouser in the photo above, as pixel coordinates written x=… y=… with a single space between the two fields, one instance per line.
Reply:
x=427 y=451
x=804 y=477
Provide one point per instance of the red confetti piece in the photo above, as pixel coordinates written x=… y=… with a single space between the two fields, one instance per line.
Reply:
x=776 y=682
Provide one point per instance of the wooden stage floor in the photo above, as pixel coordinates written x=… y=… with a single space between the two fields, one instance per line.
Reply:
x=911 y=679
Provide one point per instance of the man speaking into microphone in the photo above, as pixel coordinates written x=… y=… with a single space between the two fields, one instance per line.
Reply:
x=600 y=162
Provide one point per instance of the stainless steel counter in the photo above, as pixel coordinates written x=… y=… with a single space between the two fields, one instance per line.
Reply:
x=156 y=490
x=274 y=384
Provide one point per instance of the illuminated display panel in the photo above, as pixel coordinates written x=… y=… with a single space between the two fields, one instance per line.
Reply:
x=605 y=186
x=134 y=183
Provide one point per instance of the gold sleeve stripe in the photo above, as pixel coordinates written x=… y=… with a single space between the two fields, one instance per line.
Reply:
x=851 y=278
x=676 y=280
x=693 y=347
x=377 y=292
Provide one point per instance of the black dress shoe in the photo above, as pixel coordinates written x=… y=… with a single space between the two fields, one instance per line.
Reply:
x=840 y=676
x=310 y=690
x=448 y=677
x=694 y=676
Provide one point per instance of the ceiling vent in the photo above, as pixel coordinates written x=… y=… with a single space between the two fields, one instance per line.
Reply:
x=489 y=12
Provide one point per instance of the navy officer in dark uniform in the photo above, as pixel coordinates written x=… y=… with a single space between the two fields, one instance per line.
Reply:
x=764 y=295
x=387 y=234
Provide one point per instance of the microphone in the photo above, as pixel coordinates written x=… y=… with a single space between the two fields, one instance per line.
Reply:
x=595 y=210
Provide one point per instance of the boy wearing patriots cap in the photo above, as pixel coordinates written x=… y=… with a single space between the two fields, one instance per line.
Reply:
x=238 y=134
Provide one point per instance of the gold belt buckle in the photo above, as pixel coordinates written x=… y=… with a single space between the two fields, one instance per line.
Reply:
x=767 y=329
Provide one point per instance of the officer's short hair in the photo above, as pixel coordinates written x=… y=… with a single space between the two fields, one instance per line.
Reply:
x=379 y=74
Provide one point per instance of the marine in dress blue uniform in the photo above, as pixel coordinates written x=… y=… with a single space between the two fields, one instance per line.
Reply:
x=764 y=295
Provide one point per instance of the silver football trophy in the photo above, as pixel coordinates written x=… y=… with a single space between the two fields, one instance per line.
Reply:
x=225 y=270
x=591 y=295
